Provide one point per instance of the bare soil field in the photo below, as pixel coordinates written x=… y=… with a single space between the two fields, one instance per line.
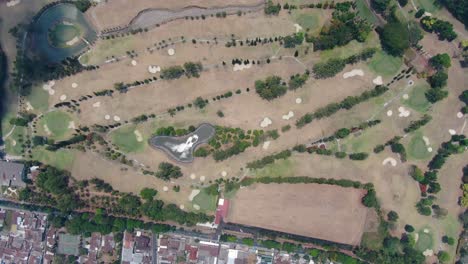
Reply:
x=321 y=211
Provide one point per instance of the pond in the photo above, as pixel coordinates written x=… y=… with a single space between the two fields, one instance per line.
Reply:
x=182 y=148
x=60 y=31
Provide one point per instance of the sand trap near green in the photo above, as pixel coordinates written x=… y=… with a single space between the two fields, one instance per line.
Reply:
x=127 y=140
x=425 y=240
x=417 y=98
x=206 y=201
x=417 y=148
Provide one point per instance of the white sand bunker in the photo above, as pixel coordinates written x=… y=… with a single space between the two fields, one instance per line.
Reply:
x=71 y=125
x=63 y=97
x=116 y=118
x=181 y=207
x=460 y=115
x=298 y=100
x=298 y=27
x=266 y=122
x=13 y=142
x=288 y=116
x=389 y=113
x=429 y=149
x=107 y=117
x=405 y=96
x=171 y=52
x=48 y=87
x=165 y=188
x=378 y=80
x=202 y=178
x=29 y=106
x=97 y=104
x=355 y=72
x=47 y=130
x=74 y=85
x=193 y=176
x=134 y=63
x=403 y=112
x=224 y=173
x=12 y=3
x=138 y=135
x=240 y=67
x=426 y=231
x=390 y=161
x=196 y=207
x=73 y=41
x=452 y=132
x=154 y=69
x=266 y=145
x=428 y=253
x=416 y=237
x=426 y=140
x=193 y=194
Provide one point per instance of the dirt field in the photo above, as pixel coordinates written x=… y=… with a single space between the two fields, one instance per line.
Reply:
x=321 y=211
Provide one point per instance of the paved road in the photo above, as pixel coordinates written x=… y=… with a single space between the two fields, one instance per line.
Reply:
x=154 y=248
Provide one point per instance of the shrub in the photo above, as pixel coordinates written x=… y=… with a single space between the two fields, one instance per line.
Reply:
x=379 y=148
x=392 y=216
x=409 y=228
x=358 y=156
x=270 y=88
x=167 y=171
x=173 y=72
x=297 y=81
x=272 y=9
x=340 y=154
x=420 y=13
x=370 y=200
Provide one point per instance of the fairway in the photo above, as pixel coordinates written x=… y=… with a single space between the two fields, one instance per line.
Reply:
x=417 y=148
x=384 y=64
x=206 y=201
x=351 y=48
x=417 y=98
x=55 y=124
x=62 y=158
x=281 y=168
x=105 y=49
x=126 y=139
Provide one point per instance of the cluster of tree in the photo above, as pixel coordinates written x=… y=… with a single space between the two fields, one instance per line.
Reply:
x=294 y=40
x=101 y=185
x=272 y=9
x=190 y=69
x=380 y=5
x=167 y=171
x=106 y=92
x=395 y=38
x=238 y=147
x=348 y=103
x=331 y=67
x=464 y=98
x=270 y=88
x=358 y=156
x=82 y=5
x=297 y=80
x=171 y=131
x=457 y=144
x=344 y=27
x=64 y=143
x=22 y=119
x=415 y=125
x=269 y=159
x=459 y=9
x=440 y=62
x=200 y=103
x=193 y=69
x=464 y=187
x=443 y=29
x=397 y=147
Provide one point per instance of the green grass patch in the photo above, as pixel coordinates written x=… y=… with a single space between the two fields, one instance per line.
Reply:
x=63 y=32
x=311 y=20
x=57 y=122
x=206 y=201
x=365 y=12
x=13 y=144
x=384 y=64
x=105 y=49
x=351 y=48
x=6 y=126
x=430 y=6
x=126 y=139
x=39 y=99
x=417 y=148
x=62 y=158
x=425 y=240
x=417 y=98
x=374 y=240
x=281 y=168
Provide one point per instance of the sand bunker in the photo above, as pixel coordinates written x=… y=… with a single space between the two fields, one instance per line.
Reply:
x=240 y=67
x=266 y=122
x=13 y=142
x=97 y=104
x=182 y=207
x=426 y=231
x=298 y=27
x=403 y=112
x=266 y=145
x=202 y=178
x=171 y=52
x=416 y=237
x=154 y=69
x=74 y=85
x=355 y=72
x=378 y=80
x=116 y=118
x=48 y=87
x=71 y=125
x=134 y=63
x=389 y=113
x=426 y=140
x=224 y=173
x=429 y=149
x=138 y=135
x=298 y=100
x=193 y=194
x=288 y=116
x=428 y=252
x=390 y=161
x=459 y=114
x=73 y=41
x=63 y=97
x=452 y=132
x=29 y=106
x=165 y=188
x=47 y=130
x=405 y=96
x=12 y=3
x=196 y=207
x=193 y=176
x=107 y=117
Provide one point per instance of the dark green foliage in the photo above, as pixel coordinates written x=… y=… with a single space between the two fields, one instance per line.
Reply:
x=270 y=88
x=297 y=81
x=342 y=133
x=285 y=128
x=23 y=119
x=61 y=144
x=290 y=247
x=293 y=40
x=358 y=156
x=409 y=228
x=435 y=95
x=416 y=173
x=379 y=148
x=438 y=80
x=173 y=72
x=443 y=256
x=394 y=38
x=270 y=244
x=328 y=69
x=392 y=216
x=220 y=113
x=82 y=5
x=397 y=147
x=101 y=185
x=420 y=13
x=300 y=148
x=167 y=171
x=440 y=61
x=448 y=240
x=340 y=154
x=380 y=5
x=228 y=238
x=120 y=87
x=171 y=131
x=458 y=8
x=238 y=147
x=201 y=152
x=272 y=9
x=268 y=160
x=148 y=194
x=370 y=200
x=442 y=28
x=403 y=3
x=248 y=241
x=193 y=69
x=415 y=125
x=53 y=181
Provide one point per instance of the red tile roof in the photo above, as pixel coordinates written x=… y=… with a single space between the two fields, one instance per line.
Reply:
x=222 y=210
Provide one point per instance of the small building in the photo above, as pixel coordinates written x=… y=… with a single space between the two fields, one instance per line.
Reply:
x=221 y=211
x=11 y=174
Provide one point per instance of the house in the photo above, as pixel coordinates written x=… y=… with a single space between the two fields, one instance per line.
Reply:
x=11 y=174
x=221 y=211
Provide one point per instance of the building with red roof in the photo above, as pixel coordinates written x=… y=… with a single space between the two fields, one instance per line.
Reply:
x=222 y=210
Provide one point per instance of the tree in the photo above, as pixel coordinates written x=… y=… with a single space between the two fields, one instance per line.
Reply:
x=193 y=69
x=173 y=72
x=370 y=200
x=416 y=173
x=440 y=61
x=391 y=244
x=435 y=95
x=342 y=133
x=448 y=240
x=120 y=87
x=272 y=9
x=148 y=193
x=403 y=3
x=200 y=102
x=438 y=80
x=443 y=256
x=420 y=13
x=380 y=5
x=271 y=88
x=394 y=38
x=167 y=171
x=409 y=228
x=392 y=216
x=297 y=81
x=329 y=68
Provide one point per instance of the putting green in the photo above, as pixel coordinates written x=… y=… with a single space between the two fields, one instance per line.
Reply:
x=205 y=201
x=425 y=240
x=311 y=20
x=417 y=148
x=417 y=98
x=281 y=168
x=57 y=123
x=62 y=158
x=62 y=34
x=126 y=139
x=384 y=64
